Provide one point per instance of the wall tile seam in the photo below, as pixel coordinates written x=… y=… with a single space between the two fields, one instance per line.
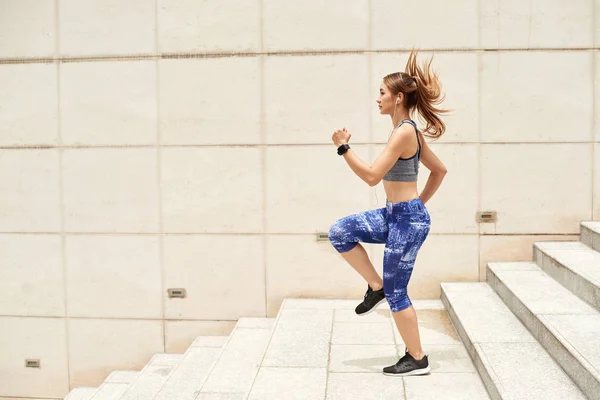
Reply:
x=516 y=234
x=274 y=145
x=479 y=23
x=300 y=53
x=159 y=187
x=595 y=22
x=67 y=317
x=151 y=234
x=370 y=146
x=479 y=61
x=263 y=160
x=124 y=234
x=62 y=234
x=370 y=25
x=595 y=124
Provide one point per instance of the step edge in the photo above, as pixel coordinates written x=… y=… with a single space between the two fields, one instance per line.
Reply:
x=589 y=236
x=487 y=374
x=573 y=296
x=109 y=377
x=588 y=224
x=106 y=384
x=582 y=377
x=477 y=352
x=569 y=264
x=546 y=247
x=150 y=364
x=213 y=361
x=593 y=284
x=580 y=358
x=264 y=350
x=82 y=388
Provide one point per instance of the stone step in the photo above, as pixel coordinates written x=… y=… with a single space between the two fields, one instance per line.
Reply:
x=233 y=373
x=320 y=349
x=210 y=341
x=590 y=234
x=565 y=325
x=511 y=362
x=115 y=385
x=199 y=360
x=294 y=364
x=301 y=338
x=574 y=265
x=152 y=377
x=81 y=393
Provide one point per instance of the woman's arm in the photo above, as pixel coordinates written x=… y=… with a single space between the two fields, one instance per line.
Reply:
x=438 y=172
x=373 y=174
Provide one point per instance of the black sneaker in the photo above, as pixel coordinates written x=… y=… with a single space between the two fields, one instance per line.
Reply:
x=407 y=365
x=372 y=299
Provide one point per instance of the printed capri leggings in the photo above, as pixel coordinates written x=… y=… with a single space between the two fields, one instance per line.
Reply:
x=403 y=228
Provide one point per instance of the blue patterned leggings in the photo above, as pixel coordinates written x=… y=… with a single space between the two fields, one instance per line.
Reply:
x=403 y=227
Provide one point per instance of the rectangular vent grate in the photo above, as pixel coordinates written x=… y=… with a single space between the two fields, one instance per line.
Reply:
x=178 y=293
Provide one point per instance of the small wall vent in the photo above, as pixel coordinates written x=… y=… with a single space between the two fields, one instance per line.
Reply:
x=177 y=293
x=486 y=216
x=32 y=363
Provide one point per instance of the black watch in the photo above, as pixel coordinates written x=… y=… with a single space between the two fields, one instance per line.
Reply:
x=343 y=149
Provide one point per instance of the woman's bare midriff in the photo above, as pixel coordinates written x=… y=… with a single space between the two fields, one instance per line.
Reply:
x=397 y=192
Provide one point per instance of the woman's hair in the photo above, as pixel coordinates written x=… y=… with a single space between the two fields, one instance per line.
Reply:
x=422 y=91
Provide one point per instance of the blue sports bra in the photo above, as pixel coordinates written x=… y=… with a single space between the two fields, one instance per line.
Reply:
x=406 y=169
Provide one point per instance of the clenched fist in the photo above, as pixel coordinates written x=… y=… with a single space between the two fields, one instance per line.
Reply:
x=340 y=137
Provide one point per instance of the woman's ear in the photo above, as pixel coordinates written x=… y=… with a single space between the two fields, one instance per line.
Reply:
x=400 y=98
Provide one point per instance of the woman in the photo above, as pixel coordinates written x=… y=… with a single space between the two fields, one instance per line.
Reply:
x=404 y=223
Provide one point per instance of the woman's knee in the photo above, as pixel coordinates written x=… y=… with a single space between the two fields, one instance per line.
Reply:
x=397 y=299
x=339 y=237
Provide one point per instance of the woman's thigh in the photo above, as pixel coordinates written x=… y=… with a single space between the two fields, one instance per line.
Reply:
x=367 y=226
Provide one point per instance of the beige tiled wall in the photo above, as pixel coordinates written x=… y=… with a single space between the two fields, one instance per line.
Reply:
x=108 y=103
x=541 y=96
x=148 y=145
x=29 y=99
x=106 y=27
x=539 y=24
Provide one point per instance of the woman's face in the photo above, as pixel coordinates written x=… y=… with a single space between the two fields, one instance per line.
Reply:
x=386 y=101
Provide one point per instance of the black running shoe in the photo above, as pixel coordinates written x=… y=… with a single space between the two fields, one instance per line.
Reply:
x=372 y=299
x=407 y=365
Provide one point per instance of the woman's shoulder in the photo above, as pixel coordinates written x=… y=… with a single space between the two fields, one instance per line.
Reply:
x=405 y=128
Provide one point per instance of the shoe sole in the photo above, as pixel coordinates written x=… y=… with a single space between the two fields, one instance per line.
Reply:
x=372 y=309
x=422 y=371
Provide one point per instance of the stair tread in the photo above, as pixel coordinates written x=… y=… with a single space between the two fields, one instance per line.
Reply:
x=189 y=376
x=573 y=321
x=110 y=391
x=115 y=385
x=122 y=377
x=237 y=366
x=321 y=349
x=210 y=341
x=152 y=377
x=256 y=322
x=301 y=338
x=512 y=357
x=575 y=256
x=592 y=225
x=81 y=393
x=539 y=291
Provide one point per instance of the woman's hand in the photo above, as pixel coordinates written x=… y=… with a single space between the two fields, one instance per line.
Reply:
x=340 y=137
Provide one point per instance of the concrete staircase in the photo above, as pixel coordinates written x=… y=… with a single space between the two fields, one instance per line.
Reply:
x=314 y=349
x=532 y=331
